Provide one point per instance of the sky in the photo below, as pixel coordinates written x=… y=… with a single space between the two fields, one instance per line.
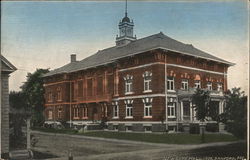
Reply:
x=44 y=34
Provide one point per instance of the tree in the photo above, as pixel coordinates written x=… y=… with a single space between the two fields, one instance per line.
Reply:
x=34 y=95
x=235 y=112
x=201 y=101
x=17 y=119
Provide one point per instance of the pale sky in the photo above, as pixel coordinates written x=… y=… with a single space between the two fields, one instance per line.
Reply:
x=44 y=34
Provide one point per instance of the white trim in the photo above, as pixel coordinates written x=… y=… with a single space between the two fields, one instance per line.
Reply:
x=173 y=65
x=139 y=96
x=140 y=66
x=139 y=122
x=147 y=91
x=197 y=69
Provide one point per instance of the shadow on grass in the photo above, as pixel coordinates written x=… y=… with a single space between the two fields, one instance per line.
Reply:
x=40 y=155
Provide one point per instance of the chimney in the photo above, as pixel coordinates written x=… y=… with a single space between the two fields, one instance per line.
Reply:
x=73 y=58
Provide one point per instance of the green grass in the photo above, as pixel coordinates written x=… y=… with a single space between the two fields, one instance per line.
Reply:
x=178 y=138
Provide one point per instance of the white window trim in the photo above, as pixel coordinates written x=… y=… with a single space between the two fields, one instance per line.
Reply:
x=172 y=80
x=185 y=81
x=209 y=86
x=129 y=102
x=147 y=106
x=115 y=117
x=172 y=106
x=50 y=114
x=197 y=82
x=148 y=90
x=219 y=86
x=129 y=91
x=129 y=116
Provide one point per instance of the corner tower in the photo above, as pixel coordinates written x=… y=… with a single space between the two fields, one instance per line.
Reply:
x=126 y=27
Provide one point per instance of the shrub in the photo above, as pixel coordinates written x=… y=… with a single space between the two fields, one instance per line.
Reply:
x=212 y=127
x=194 y=129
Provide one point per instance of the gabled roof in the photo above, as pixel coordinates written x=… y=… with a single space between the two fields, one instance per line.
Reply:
x=156 y=41
x=6 y=66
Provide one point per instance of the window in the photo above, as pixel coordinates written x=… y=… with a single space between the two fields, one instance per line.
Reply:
x=128 y=84
x=59 y=113
x=105 y=110
x=186 y=108
x=170 y=84
x=171 y=110
x=59 y=93
x=115 y=111
x=147 y=81
x=184 y=84
x=129 y=111
x=75 y=90
x=219 y=86
x=80 y=88
x=76 y=112
x=147 y=110
x=197 y=84
x=147 y=107
x=85 y=112
x=50 y=114
x=209 y=86
x=50 y=97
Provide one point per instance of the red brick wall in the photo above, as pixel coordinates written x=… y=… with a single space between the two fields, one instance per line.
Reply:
x=97 y=85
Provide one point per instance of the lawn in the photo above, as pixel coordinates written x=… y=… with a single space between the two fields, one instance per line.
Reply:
x=177 y=138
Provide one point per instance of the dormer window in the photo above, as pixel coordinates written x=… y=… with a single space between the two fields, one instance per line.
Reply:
x=147 y=81
x=128 y=84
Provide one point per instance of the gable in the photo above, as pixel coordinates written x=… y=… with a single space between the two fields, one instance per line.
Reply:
x=6 y=66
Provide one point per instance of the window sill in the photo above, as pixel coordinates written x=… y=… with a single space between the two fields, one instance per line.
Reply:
x=128 y=117
x=147 y=91
x=128 y=93
x=84 y=117
x=147 y=117
x=115 y=118
x=76 y=118
x=171 y=91
x=171 y=116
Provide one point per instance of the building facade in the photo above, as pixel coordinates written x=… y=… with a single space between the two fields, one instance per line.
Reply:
x=6 y=69
x=140 y=84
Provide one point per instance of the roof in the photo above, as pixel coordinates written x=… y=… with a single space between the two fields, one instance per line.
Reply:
x=6 y=66
x=156 y=41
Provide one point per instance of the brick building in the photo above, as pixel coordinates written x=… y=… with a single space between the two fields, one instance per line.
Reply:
x=131 y=84
x=6 y=69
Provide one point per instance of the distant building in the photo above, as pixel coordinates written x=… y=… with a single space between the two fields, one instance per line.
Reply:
x=6 y=69
x=128 y=84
